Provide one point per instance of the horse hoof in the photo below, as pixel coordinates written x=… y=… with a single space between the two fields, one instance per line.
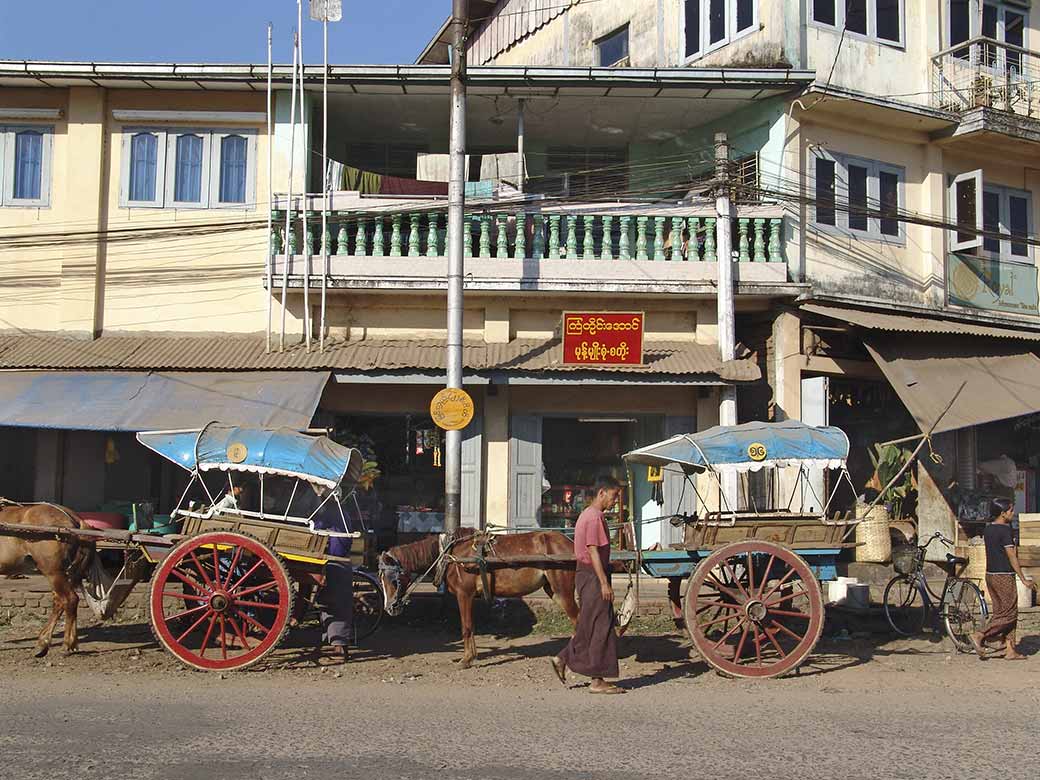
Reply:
x=71 y=650
x=465 y=664
x=41 y=651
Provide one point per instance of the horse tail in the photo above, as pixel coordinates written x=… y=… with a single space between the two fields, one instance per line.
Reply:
x=80 y=552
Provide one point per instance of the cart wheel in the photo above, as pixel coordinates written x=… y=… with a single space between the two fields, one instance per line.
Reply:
x=754 y=609
x=220 y=601
x=368 y=605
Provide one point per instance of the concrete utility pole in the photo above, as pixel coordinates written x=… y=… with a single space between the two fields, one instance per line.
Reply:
x=456 y=226
x=726 y=316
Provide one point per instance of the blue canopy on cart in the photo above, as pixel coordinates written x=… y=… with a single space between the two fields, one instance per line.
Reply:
x=279 y=451
x=749 y=447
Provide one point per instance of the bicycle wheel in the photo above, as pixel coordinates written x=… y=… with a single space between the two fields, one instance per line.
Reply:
x=368 y=605
x=966 y=612
x=904 y=606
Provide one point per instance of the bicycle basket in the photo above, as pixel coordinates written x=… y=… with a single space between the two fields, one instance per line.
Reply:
x=905 y=559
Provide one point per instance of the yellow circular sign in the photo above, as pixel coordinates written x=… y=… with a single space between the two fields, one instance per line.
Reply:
x=451 y=409
x=756 y=451
x=236 y=452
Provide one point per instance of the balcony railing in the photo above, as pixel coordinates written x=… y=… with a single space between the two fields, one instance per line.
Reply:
x=639 y=233
x=985 y=73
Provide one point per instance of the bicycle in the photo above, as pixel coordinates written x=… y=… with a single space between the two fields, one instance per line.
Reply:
x=909 y=598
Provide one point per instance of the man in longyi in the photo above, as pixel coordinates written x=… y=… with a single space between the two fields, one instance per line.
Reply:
x=592 y=651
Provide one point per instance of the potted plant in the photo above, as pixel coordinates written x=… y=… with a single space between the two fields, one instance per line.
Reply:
x=888 y=460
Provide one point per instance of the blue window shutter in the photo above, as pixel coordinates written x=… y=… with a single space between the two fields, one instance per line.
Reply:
x=525 y=470
x=472 y=458
x=187 y=180
x=28 y=165
x=233 y=150
x=144 y=156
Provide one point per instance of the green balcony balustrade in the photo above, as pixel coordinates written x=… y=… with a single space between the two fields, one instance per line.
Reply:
x=508 y=235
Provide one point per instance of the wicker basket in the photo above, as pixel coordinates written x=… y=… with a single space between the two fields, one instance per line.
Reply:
x=905 y=558
x=975 y=552
x=872 y=536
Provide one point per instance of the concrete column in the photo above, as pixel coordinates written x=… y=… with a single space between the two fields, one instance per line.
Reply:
x=707 y=417
x=931 y=240
x=85 y=178
x=496 y=323
x=786 y=371
x=496 y=455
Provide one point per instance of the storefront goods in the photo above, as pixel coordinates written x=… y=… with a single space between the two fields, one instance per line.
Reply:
x=221 y=590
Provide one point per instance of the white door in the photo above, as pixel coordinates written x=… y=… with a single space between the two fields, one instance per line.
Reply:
x=815 y=411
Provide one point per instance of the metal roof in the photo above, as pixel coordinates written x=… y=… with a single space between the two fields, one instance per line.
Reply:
x=247 y=353
x=912 y=323
x=363 y=78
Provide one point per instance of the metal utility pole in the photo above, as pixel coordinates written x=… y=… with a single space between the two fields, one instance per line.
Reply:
x=521 y=169
x=271 y=248
x=726 y=316
x=456 y=226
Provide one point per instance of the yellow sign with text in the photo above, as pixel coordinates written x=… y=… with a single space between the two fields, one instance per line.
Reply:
x=756 y=451
x=451 y=409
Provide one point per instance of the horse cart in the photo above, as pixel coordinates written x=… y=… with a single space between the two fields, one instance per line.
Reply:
x=222 y=589
x=753 y=605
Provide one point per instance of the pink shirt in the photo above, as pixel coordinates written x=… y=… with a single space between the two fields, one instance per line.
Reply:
x=591 y=529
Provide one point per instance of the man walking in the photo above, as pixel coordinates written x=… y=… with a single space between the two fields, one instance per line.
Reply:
x=592 y=651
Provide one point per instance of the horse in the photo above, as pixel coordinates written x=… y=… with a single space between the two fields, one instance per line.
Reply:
x=398 y=565
x=64 y=562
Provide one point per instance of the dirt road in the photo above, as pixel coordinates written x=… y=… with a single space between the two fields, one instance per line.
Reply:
x=862 y=709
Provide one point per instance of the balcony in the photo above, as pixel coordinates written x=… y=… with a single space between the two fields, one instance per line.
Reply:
x=381 y=243
x=984 y=73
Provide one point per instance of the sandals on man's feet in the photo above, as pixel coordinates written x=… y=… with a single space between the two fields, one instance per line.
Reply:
x=609 y=690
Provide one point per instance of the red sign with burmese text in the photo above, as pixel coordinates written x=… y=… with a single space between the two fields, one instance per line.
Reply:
x=603 y=338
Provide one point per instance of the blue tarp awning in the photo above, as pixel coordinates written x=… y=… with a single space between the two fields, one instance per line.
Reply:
x=749 y=447
x=146 y=400
x=281 y=451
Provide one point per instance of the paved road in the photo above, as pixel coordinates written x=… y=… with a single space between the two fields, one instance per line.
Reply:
x=894 y=711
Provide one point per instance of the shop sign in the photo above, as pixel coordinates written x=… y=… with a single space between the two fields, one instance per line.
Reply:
x=757 y=452
x=994 y=285
x=603 y=338
x=451 y=409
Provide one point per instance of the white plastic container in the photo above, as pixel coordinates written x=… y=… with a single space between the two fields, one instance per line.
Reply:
x=1025 y=595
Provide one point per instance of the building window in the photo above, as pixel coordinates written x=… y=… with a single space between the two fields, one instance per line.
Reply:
x=709 y=24
x=880 y=20
x=858 y=196
x=192 y=168
x=25 y=166
x=996 y=220
x=613 y=49
x=995 y=21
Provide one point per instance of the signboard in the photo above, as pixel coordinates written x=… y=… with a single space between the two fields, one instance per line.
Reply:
x=451 y=409
x=319 y=9
x=603 y=338
x=993 y=285
x=757 y=452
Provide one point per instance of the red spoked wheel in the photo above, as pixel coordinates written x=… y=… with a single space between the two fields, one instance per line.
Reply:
x=754 y=609
x=220 y=601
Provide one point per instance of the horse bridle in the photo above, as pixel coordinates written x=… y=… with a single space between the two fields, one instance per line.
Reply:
x=394 y=572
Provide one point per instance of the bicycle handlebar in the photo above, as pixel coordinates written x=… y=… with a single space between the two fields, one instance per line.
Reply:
x=937 y=535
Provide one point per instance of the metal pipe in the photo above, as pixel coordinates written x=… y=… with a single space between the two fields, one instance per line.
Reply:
x=521 y=172
x=308 y=249
x=326 y=184
x=270 y=191
x=286 y=257
x=456 y=209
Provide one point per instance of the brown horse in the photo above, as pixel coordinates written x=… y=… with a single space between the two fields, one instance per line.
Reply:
x=398 y=565
x=62 y=562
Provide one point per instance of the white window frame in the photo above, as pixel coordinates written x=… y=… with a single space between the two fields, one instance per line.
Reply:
x=839 y=24
x=7 y=167
x=170 y=180
x=704 y=45
x=975 y=242
x=624 y=28
x=975 y=20
x=166 y=169
x=841 y=197
x=1004 y=222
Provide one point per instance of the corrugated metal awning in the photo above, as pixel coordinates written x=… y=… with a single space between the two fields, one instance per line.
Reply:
x=910 y=323
x=246 y=353
x=143 y=400
x=1002 y=380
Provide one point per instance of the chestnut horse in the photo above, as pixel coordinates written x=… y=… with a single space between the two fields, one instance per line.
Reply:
x=398 y=566
x=62 y=562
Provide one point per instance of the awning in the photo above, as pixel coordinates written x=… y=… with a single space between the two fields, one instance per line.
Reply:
x=143 y=400
x=1003 y=379
x=913 y=323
